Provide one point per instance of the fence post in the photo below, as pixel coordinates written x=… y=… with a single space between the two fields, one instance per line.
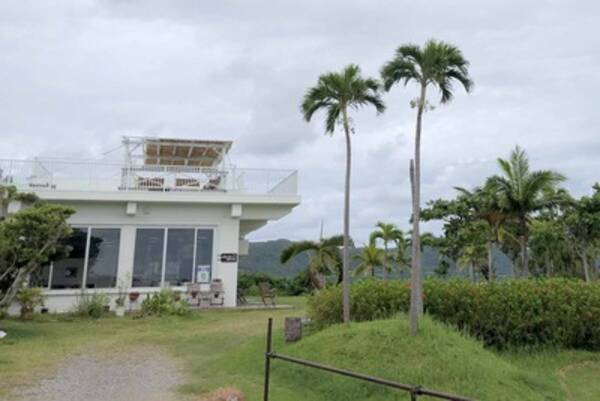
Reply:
x=268 y=358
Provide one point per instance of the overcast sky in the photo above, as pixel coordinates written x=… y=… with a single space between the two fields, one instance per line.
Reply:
x=77 y=75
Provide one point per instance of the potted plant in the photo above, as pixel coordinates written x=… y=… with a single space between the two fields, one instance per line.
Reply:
x=121 y=297
x=120 y=305
x=29 y=299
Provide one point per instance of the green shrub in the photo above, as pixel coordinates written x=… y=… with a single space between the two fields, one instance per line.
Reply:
x=506 y=314
x=163 y=303
x=93 y=306
x=29 y=299
x=298 y=285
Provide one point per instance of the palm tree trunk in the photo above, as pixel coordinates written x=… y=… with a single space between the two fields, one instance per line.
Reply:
x=416 y=297
x=586 y=267
x=524 y=253
x=386 y=259
x=490 y=250
x=346 y=250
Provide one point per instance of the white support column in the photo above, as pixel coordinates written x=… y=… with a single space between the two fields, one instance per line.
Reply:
x=126 y=255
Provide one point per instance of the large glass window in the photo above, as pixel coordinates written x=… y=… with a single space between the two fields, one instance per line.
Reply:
x=103 y=259
x=204 y=255
x=148 y=259
x=67 y=272
x=180 y=256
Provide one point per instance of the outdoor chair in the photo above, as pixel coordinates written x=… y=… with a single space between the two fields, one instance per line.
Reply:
x=266 y=292
x=241 y=297
x=193 y=293
x=217 y=293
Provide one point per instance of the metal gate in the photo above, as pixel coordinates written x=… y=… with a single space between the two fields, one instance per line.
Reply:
x=414 y=391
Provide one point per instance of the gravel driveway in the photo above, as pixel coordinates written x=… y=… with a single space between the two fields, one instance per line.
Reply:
x=141 y=374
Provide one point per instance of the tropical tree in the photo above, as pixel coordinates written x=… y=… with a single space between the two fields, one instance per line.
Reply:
x=473 y=256
x=324 y=258
x=484 y=205
x=337 y=93
x=522 y=192
x=370 y=258
x=550 y=247
x=437 y=64
x=29 y=239
x=387 y=233
x=582 y=224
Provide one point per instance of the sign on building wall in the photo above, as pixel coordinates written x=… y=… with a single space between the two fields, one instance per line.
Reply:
x=229 y=257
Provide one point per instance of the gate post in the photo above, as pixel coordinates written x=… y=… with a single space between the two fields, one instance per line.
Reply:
x=268 y=358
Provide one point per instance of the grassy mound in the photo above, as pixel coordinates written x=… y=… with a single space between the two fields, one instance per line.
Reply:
x=439 y=358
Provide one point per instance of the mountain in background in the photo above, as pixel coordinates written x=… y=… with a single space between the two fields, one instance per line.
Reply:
x=263 y=257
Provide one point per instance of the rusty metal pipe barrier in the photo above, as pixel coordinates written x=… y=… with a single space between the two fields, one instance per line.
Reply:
x=415 y=391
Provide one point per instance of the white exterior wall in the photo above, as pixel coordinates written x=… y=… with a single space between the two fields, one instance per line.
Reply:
x=158 y=215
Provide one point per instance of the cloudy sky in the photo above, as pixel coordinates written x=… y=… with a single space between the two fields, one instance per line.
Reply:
x=77 y=75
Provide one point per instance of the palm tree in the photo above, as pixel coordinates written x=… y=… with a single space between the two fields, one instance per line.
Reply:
x=523 y=192
x=437 y=64
x=369 y=259
x=336 y=94
x=387 y=232
x=324 y=257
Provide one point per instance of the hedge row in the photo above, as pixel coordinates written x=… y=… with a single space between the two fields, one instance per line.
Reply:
x=506 y=314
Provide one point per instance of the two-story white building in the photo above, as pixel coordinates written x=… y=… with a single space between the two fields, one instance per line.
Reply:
x=174 y=212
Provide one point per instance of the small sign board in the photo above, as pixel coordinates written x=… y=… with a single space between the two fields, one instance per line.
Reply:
x=229 y=257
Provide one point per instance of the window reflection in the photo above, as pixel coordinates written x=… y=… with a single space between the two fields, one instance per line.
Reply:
x=180 y=256
x=147 y=265
x=68 y=271
x=103 y=258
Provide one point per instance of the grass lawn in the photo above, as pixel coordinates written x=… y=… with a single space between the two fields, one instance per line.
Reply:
x=224 y=348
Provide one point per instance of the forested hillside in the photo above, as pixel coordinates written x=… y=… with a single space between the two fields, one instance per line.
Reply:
x=264 y=257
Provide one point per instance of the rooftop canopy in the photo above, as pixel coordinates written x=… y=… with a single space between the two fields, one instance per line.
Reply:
x=176 y=152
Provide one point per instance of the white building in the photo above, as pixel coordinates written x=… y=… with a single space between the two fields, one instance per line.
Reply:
x=174 y=212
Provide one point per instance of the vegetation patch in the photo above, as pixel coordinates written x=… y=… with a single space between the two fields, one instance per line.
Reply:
x=440 y=358
x=505 y=314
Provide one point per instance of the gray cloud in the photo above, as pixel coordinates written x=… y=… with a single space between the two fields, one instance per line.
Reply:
x=75 y=76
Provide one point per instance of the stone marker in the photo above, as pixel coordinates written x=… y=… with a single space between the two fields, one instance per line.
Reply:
x=293 y=329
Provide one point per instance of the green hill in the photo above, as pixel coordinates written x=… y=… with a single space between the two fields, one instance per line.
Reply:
x=440 y=358
x=264 y=257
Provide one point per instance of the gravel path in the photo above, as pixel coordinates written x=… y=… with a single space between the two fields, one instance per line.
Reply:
x=141 y=374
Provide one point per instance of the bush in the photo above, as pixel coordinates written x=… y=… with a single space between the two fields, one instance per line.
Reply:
x=297 y=285
x=29 y=299
x=92 y=306
x=165 y=302
x=506 y=314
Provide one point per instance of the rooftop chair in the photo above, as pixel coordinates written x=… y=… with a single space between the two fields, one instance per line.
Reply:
x=266 y=292
x=212 y=184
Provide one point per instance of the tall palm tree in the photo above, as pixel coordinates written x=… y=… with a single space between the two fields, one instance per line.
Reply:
x=337 y=93
x=386 y=232
x=523 y=192
x=437 y=64
x=370 y=258
x=324 y=257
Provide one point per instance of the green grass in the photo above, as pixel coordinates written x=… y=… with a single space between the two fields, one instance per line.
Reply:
x=225 y=348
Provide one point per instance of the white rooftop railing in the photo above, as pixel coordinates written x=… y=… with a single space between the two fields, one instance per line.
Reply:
x=67 y=175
